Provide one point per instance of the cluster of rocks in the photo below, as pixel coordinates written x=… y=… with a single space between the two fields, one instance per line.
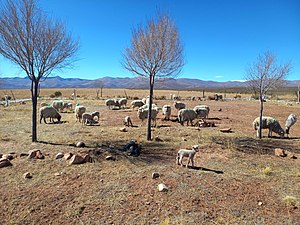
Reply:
x=161 y=187
x=75 y=158
x=283 y=153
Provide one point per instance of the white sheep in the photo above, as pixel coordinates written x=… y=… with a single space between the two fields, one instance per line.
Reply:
x=49 y=112
x=136 y=103
x=187 y=153
x=142 y=114
x=89 y=118
x=68 y=105
x=291 y=120
x=112 y=103
x=79 y=110
x=269 y=123
x=122 y=102
x=187 y=115
x=202 y=111
x=58 y=105
x=127 y=121
x=166 y=110
x=179 y=105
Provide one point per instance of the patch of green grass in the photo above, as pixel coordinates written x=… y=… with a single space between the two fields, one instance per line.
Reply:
x=267 y=171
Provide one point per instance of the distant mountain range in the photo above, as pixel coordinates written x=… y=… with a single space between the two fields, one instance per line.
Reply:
x=130 y=83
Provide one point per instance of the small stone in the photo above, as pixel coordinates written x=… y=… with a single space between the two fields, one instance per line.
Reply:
x=27 y=175
x=280 y=152
x=59 y=155
x=39 y=155
x=8 y=156
x=88 y=158
x=226 y=130
x=5 y=163
x=260 y=203
x=32 y=153
x=219 y=109
x=109 y=157
x=68 y=156
x=158 y=139
x=162 y=188
x=80 y=144
x=184 y=139
x=58 y=174
x=155 y=175
x=76 y=159
x=123 y=129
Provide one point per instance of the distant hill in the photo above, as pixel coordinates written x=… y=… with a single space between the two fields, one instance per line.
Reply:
x=114 y=82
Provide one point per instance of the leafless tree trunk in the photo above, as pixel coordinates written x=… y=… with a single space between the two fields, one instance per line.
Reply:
x=34 y=42
x=265 y=75
x=99 y=85
x=155 y=52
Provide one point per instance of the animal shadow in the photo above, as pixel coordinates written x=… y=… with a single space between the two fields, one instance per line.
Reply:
x=205 y=169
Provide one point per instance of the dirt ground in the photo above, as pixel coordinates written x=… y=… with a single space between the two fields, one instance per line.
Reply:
x=237 y=179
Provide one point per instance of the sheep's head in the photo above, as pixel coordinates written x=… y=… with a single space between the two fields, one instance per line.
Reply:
x=195 y=147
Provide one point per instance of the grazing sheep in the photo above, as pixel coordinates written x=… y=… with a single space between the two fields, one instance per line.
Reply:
x=166 y=109
x=187 y=153
x=202 y=111
x=127 y=121
x=49 y=112
x=136 y=103
x=58 y=105
x=186 y=115
x=90 y=117
x=291 y=120
x=142 y=114
x=179 y=105
x=79 y=110
x=68 y=105
x=268 y=123
x=122 y=102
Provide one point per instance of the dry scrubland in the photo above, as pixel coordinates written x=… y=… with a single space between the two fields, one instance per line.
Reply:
x=237 y=179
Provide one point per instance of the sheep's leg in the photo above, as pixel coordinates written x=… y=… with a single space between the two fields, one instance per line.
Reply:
x=45 y=120
x=41 y=119
x=270 y=133
x=180 y=160
x=192 y=159
x=130 y=123
x=187 y=165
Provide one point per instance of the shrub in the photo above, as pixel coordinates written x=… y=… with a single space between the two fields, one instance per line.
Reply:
x=57 y=94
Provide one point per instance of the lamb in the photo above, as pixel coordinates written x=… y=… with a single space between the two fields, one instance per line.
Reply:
x=179 y=105
x=291 y=120
x=142 y=114
x=89 y=118
x=122 y=102
x=202 y=111
x=166 y=109
x=136 y=103
x=49 y=112
x=187 y=153
x=269 y=123
x=186 y=115
x=79 y=110
x=127 y=121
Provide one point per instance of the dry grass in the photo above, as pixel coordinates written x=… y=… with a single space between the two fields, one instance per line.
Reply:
x=225 y=187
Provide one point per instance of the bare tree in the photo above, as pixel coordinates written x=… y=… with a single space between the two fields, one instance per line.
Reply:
x=155 y=52
x=265 y=75
x=99 y=87
x=34 y=42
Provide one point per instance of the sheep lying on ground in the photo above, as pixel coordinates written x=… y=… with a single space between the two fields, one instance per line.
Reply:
x=202 y=111
x=186 y=115
x=268 y=123
x=142 y=114
x=127 y=121
x=291 y=120
x=79 y=110
x=179 y=105
x=89 y=118
x=166 y=110
x=136 y=103
x=187 y=153
x=49 y=112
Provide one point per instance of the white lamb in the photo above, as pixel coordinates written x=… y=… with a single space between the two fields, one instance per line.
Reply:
x=291 y=120
x=187 y=153
x=79 y=110
x=89 y=118
x=127 y=121
x=166 y=110
x=268 y=123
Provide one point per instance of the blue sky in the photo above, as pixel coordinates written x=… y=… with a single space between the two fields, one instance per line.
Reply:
x=221 y=38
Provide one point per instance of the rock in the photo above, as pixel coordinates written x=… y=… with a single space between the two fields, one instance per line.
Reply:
x=27 y=175
x=109 y=157
x=88 y=158
x=76 y=159
x=68 y=156
x=155 y=175
x=219 y=109
x=291 y=155
x=226 y=130
x=184 y=139
x=80 y=144
x=5 y=163
x=8 y=156
x=162 y=188
x=259 y=203
x=59 y=155
x=58 y=174
x=158 y=139
x=123 y=129
x=280 y=152
x=35 y=154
